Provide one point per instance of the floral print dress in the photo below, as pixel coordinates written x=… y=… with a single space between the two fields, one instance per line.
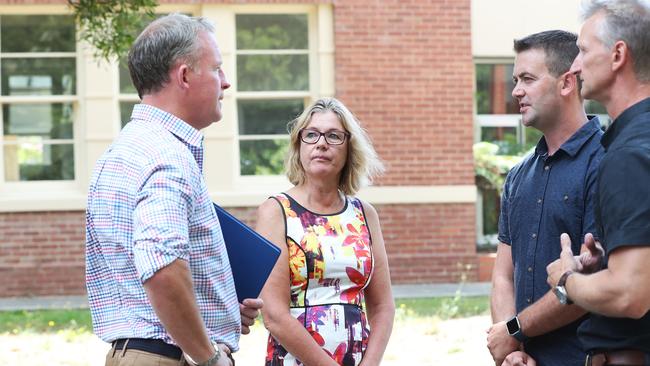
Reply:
x=330 y=263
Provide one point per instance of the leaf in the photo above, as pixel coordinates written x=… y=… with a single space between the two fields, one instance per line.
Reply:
x=111 y=26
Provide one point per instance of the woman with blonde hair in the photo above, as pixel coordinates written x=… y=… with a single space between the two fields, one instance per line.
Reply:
x=333 y=267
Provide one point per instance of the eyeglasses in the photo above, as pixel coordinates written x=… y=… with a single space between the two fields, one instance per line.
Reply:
x=333 y=137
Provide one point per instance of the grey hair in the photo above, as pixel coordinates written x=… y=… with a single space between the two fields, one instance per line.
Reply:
x=627 y=21
x=162 y=44
x=362 y=163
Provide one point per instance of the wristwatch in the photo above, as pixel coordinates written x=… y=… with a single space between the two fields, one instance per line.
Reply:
x=514 y=329
x=210 y=362
x=560 y=290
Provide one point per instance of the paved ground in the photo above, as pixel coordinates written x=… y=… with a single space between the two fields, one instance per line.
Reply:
x=419 y=342
x=399 y=291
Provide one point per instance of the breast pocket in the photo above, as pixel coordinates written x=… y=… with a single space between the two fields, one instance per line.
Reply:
x=566 y=209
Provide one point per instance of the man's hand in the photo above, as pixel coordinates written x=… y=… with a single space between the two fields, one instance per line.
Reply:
x=591 y=258
x=519 y=358
x=500 y=343
x=249 y=310
x=225 y=356
x=566 y=262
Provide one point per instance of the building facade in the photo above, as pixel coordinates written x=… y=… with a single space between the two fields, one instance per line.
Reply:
x=426 y=78
x=404 y=68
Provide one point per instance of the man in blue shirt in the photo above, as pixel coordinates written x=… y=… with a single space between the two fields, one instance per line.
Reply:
x=160 y=288
x=614 y=64
x=548 y=193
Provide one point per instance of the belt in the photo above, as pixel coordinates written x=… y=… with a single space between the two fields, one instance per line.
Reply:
x=618 y=357
x=156 y=346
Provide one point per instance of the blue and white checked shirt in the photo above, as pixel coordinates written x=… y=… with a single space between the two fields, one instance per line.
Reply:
x=148 y=205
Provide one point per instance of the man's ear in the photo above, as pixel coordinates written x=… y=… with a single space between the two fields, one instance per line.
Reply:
x=569 y=83
x=181 y=76
x=620 y=55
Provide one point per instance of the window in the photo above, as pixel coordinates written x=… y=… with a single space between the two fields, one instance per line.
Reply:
x=38 y=96
x=498 y=121
x=128 y=96
x=272 y=82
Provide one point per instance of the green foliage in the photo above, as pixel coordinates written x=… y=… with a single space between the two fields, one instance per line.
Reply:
x=490 y=167
x=111 y=25
x=442 y=307
x=263 y=157
x=70 y=321
x=272 y=31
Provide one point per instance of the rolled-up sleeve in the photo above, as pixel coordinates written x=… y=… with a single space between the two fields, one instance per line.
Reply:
x=160 y=218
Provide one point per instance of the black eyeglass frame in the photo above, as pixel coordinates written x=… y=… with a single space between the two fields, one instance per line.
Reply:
x=346 y=136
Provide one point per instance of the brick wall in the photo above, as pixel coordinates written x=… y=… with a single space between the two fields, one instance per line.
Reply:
x=405 y=69
x=42 y=253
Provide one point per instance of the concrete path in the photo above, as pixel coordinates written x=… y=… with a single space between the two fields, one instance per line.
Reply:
x=399 y=291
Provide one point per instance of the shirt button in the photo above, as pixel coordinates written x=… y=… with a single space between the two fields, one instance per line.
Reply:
x=539 y=200
x=566 y=198
x=534 y=235
x=528 y=300
x=530 y=269
x=547 y=167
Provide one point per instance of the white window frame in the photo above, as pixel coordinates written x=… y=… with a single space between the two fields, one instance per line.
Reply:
x=225 y=180
x=27 y=195
x=307 y=96
x=492 y=120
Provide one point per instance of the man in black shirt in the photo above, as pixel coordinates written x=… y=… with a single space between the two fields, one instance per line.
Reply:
x=614 y=66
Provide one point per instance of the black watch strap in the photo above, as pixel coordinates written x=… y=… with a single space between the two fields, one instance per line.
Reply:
x=514 y=329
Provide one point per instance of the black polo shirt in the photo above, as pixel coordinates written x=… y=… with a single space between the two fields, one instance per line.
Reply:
x=623 y=219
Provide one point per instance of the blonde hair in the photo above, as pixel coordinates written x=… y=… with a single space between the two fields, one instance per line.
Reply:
x=362 y=163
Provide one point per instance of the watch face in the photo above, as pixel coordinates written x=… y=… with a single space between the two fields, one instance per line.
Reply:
x=560 y=292
x=513 y=326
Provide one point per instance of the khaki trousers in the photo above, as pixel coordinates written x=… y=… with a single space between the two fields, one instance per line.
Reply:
x=134 y=357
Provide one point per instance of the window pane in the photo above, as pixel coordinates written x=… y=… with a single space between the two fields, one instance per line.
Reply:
x=126 y=86
x=33 y=160
x=37 y=33
x=125 y=112
x=491 y=208
x=38 y=76
x=593 y=107
x=494 y=89
x=272 y=72
x=271 y=31
x=49 y=121
x=267 y=117
x=504 y=137
x=262 y=157
x=532 y=138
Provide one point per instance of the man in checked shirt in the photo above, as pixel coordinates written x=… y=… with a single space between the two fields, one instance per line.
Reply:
x=159 y=284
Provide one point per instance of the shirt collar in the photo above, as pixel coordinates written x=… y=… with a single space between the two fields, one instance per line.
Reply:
x=624 y=120
x=181 y=129
x=576 y=141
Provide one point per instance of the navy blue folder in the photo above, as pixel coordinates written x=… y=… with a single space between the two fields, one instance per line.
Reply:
x=251 y=256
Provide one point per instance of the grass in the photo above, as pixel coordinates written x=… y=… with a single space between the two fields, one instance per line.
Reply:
x=45 y=321
x=442 y=307
x=77 y=321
